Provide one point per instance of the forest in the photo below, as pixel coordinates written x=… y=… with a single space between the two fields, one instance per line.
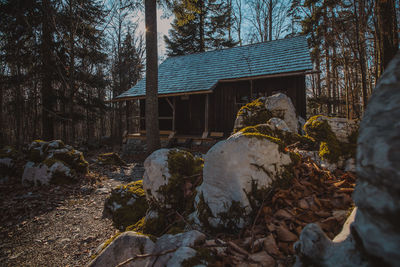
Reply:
x=62 y=62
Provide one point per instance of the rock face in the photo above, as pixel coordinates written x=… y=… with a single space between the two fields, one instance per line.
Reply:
x=281 y=106
x=125 y=246
x=8 y=160
x=127 y=204
x=52 y=162
x=374 y=236
x=232 y=167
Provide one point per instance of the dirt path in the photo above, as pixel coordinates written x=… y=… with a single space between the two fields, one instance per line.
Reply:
x=53 y=225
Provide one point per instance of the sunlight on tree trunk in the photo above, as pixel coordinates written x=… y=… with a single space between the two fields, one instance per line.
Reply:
x=152 y=129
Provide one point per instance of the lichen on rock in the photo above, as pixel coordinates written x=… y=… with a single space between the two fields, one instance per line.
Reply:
x=127 y=204
x=331 y=148
x=53 y=162
x=252 y=114
x=110 y=159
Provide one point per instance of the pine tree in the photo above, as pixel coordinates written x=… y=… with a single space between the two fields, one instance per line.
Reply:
x=202 y=26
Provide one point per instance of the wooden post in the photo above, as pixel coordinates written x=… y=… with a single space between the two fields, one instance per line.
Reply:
x=173 y=113
x=172 y=105
x=207 y=96
x=251 y=91
x=140 y=118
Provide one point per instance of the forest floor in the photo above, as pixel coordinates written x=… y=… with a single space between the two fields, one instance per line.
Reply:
x=54 y=225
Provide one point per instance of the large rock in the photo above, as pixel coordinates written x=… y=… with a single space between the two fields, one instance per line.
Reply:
x=264 y=108
x=281 y=106
x=125 y=246
x=170 y=242
x=343 y=128
x=374 y=236
x=170 y=176
x=127 y=204
x=156 y=174
x=53 y=162
x=233 y=168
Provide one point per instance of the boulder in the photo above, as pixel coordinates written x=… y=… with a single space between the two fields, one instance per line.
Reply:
x=171 y=242
x=374 y=236
x=252 y=114
x=110 y=159
x=180 y=255
x=127 y=204
x=279 y=105
x=264 y=108
x=43 y=174
x=125 y=246
x=170 y=176
x=278 y=124
x=342 y=128
x=233 y=170
x=53 y=162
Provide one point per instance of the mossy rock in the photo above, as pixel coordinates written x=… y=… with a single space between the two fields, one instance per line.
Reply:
x=110 y=159
x=127 y=204
x=74 y=159
x=330 y=148
x=253 y=113
x=184 y=168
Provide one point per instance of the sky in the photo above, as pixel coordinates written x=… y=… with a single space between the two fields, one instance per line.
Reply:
x=163 y=25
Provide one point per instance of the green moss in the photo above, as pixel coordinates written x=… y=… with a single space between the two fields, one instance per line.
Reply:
x=110 y=240
x=74 y=159
x=230 y=219
x=50 y=162
x=132 y=201
x=151 y=227
x=111 y=159
x=254 y=113
x=184 y=168
x=204 y=211
x=319 y=130
x=204 y=256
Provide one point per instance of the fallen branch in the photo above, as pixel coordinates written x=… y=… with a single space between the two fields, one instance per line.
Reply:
x=141 y=256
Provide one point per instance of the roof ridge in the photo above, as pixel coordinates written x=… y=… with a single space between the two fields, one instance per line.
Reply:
x=234 y=47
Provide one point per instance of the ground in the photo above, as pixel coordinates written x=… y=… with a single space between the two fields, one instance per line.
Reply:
x=54 y=225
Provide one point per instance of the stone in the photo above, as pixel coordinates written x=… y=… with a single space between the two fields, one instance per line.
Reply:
x=278 y=124
x=341 y=127
x=156 y=174
x=53 y=162
x=377 y=193
x=281 y=106
x=231 y=167
x=41 y=174
x=322 y=163
x=181 y=254
x=252 y=114
x=373 y=239
x=125 y=246
x=168 y=242
x=127 y=204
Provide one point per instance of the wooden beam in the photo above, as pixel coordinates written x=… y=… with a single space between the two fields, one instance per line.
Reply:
x=161 y=95
x=173 y=113
x=206 y=112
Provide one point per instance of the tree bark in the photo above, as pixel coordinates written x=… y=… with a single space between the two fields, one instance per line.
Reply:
x=387 y=30
x=152 y=128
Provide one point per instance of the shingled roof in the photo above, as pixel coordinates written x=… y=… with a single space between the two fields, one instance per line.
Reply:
x=202 y=71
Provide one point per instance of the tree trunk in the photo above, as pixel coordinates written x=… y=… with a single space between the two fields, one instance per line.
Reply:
x=387 y=30
x=152 y=128
x=201 y=29
x=47 y=91
x=270 y=20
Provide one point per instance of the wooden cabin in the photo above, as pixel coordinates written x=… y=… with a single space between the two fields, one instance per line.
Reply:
x=201 y=93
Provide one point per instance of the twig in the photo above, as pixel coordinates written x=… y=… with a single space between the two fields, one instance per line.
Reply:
x=141 y=256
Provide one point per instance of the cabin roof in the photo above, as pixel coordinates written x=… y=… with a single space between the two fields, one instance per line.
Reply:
x=200 y=72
